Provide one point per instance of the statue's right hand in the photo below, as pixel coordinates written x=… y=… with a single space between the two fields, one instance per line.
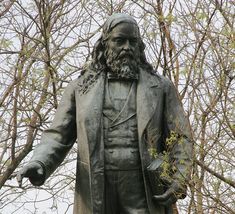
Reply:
x=33 y=171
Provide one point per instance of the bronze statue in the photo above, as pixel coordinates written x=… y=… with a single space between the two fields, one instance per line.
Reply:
x=126 y=118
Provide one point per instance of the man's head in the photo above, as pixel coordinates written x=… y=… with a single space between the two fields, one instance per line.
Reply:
x=122 y=50
x=120 y=47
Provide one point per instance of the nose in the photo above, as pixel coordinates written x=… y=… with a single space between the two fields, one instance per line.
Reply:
x=126 y=45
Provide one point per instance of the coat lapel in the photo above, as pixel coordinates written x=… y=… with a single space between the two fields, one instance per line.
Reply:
x=89 y=105
x=147 y=99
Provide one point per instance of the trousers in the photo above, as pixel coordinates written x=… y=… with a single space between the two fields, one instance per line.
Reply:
x=124 y=192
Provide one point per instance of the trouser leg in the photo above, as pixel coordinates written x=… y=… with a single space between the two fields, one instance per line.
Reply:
x=111 y=196
x=125 y=193
x=131 y=191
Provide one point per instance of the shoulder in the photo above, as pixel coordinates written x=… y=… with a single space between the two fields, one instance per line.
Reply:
x=85 y=76
x=72 y=85
x=87 y=79
x=164 y=81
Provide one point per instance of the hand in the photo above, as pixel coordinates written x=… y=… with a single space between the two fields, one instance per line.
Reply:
x=172 y=194
x=33 y=171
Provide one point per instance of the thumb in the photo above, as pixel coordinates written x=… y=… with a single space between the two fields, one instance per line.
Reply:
x=40 y=171
x=20 y=177
x=165 y=196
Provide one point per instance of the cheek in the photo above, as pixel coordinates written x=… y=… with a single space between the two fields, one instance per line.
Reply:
x=113 y=49
x=111 y=45
x=136 y=51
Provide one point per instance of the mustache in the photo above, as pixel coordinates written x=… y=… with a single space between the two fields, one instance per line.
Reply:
x=124 y=54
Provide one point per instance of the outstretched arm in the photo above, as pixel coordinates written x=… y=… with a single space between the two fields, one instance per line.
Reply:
x=55 y=142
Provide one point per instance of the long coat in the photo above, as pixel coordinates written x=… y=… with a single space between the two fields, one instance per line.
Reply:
x=79 y=116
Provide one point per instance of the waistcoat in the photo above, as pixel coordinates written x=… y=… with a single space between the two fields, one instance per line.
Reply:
x=120 y=129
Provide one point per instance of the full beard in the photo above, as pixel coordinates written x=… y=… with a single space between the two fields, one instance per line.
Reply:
x=123 y=66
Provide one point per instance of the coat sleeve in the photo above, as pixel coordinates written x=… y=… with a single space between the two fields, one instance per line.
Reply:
x=57 y=140
x=179 y=141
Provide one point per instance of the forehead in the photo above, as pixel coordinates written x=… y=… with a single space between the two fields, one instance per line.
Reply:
x=125 y=29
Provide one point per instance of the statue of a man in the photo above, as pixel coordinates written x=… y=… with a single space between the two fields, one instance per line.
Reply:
x=124 y=116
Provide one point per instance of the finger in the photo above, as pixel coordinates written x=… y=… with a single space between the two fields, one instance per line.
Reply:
x=19 y=178
x=169 y=201
x=165 y=196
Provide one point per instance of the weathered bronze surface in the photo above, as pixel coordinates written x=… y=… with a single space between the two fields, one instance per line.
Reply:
x=134 y=140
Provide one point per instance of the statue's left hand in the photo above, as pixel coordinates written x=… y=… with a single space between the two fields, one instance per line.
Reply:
x=172 y=194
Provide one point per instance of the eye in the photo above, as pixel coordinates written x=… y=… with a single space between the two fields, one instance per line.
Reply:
x=118 y=40
x=133 y=41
